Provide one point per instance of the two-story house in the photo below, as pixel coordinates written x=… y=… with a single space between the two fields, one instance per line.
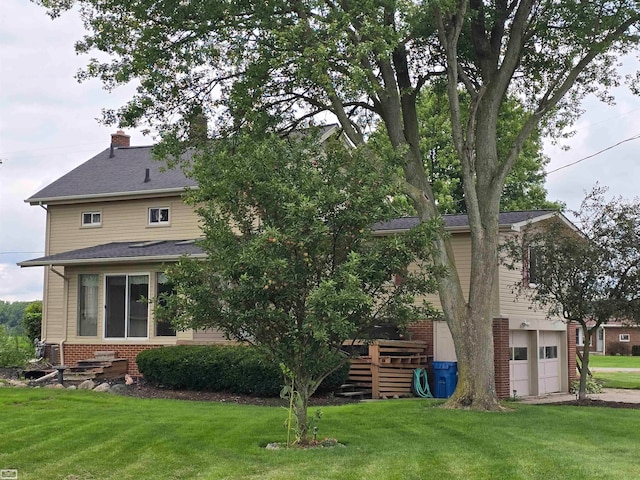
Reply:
x=115 y=222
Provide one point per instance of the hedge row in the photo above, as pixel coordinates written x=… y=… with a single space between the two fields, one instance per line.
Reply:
x=235 y=369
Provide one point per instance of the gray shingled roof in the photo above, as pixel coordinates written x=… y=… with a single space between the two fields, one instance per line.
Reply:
x=453 y=221
x=124 y=173
x=140 y=252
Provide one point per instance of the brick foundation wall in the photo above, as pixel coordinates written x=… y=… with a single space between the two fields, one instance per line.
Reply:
x=73 y=353
x=501 y=356
x=422 y=331
x=571 y=353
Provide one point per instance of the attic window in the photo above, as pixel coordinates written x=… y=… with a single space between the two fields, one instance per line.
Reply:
x=159 y=216
x=91 y=219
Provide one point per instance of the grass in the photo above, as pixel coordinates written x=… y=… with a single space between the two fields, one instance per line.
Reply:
x=613 y=361
x=83 y=435
x=629 y=380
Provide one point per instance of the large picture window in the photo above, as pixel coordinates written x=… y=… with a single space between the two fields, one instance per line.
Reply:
x=127 y=309
x=88 y=305
x=164 y=328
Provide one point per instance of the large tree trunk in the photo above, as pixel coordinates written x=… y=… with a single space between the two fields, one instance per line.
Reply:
x=472 y=331
x=470 y=321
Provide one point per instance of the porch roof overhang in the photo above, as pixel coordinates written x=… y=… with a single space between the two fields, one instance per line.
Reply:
x=121 y=252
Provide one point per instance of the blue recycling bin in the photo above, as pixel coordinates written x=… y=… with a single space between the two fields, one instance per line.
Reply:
x=445 y=378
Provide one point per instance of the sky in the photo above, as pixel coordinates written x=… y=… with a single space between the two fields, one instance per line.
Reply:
x=48 y=127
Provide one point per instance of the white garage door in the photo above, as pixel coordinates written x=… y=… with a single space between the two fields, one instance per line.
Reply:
x=549 y=362
x=519 y=362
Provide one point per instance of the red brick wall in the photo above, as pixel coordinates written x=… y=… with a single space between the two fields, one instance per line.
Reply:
x=613 y=344
x=423 y=331
x=571 y=353
x=501 y=356
x=73 y=353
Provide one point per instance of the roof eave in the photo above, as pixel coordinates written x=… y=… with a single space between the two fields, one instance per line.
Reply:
x=111 y=260
x=99 y=196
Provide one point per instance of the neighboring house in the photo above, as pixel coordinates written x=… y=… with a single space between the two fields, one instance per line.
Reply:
x=596 y=340
x=620 y=337
x=115 y=222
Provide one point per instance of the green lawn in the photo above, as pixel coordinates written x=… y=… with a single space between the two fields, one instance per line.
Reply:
x=84 y=435
x=629 y=380
x=614 y=361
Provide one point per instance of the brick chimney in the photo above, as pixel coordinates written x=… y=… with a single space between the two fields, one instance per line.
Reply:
x=120 y=139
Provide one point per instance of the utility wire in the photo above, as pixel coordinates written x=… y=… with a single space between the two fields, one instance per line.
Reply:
x=635 y=137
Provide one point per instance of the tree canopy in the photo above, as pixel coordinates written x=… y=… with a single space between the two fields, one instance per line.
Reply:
x=524 y=186
x=588 y=276
x=292 y=263
x=277 y=63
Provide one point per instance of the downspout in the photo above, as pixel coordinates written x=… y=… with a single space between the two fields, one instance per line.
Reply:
x=65 y=311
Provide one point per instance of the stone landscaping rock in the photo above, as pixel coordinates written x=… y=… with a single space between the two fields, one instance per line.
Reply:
x=72 y=387
x=118 y=388
x=87 y=385
x=56 y=386
x=103 y=387
x=17 y=383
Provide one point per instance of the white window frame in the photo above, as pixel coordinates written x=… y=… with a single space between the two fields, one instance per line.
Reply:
x=92 y=223
x=624 y=337
x=159 y=216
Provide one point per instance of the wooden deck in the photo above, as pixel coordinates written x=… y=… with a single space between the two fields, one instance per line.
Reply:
x=387 y=370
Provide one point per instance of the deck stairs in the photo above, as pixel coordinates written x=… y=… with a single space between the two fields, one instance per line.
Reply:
x=103 y=366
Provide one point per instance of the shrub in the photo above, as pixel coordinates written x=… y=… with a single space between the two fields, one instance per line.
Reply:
x=635 y=350
x=618 y=349
x=236 y=369
x=593 y=386
x=14 y=351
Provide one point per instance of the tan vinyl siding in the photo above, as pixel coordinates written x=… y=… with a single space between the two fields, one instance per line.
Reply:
x=210 y=336
x=54 y=307
x=512 y=306
x=125 y=220
x=462 y=251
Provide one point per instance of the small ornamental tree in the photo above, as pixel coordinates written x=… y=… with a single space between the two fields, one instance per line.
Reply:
x=587 y=277
x=292 y=263
x=32 y=320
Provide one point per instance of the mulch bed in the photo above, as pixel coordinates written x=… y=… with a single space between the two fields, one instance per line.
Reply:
x=590 y=402
x=141 y=389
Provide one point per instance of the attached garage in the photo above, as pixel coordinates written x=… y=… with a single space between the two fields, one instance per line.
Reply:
x=537 y=357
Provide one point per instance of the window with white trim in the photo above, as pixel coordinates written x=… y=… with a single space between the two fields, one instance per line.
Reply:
x=625 y=337
x=91 y=219
x=159 y=216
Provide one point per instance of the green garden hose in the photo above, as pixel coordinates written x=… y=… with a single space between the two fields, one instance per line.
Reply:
x=420 y=384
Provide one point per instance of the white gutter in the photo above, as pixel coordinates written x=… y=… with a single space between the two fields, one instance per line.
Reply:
x=98 y=196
